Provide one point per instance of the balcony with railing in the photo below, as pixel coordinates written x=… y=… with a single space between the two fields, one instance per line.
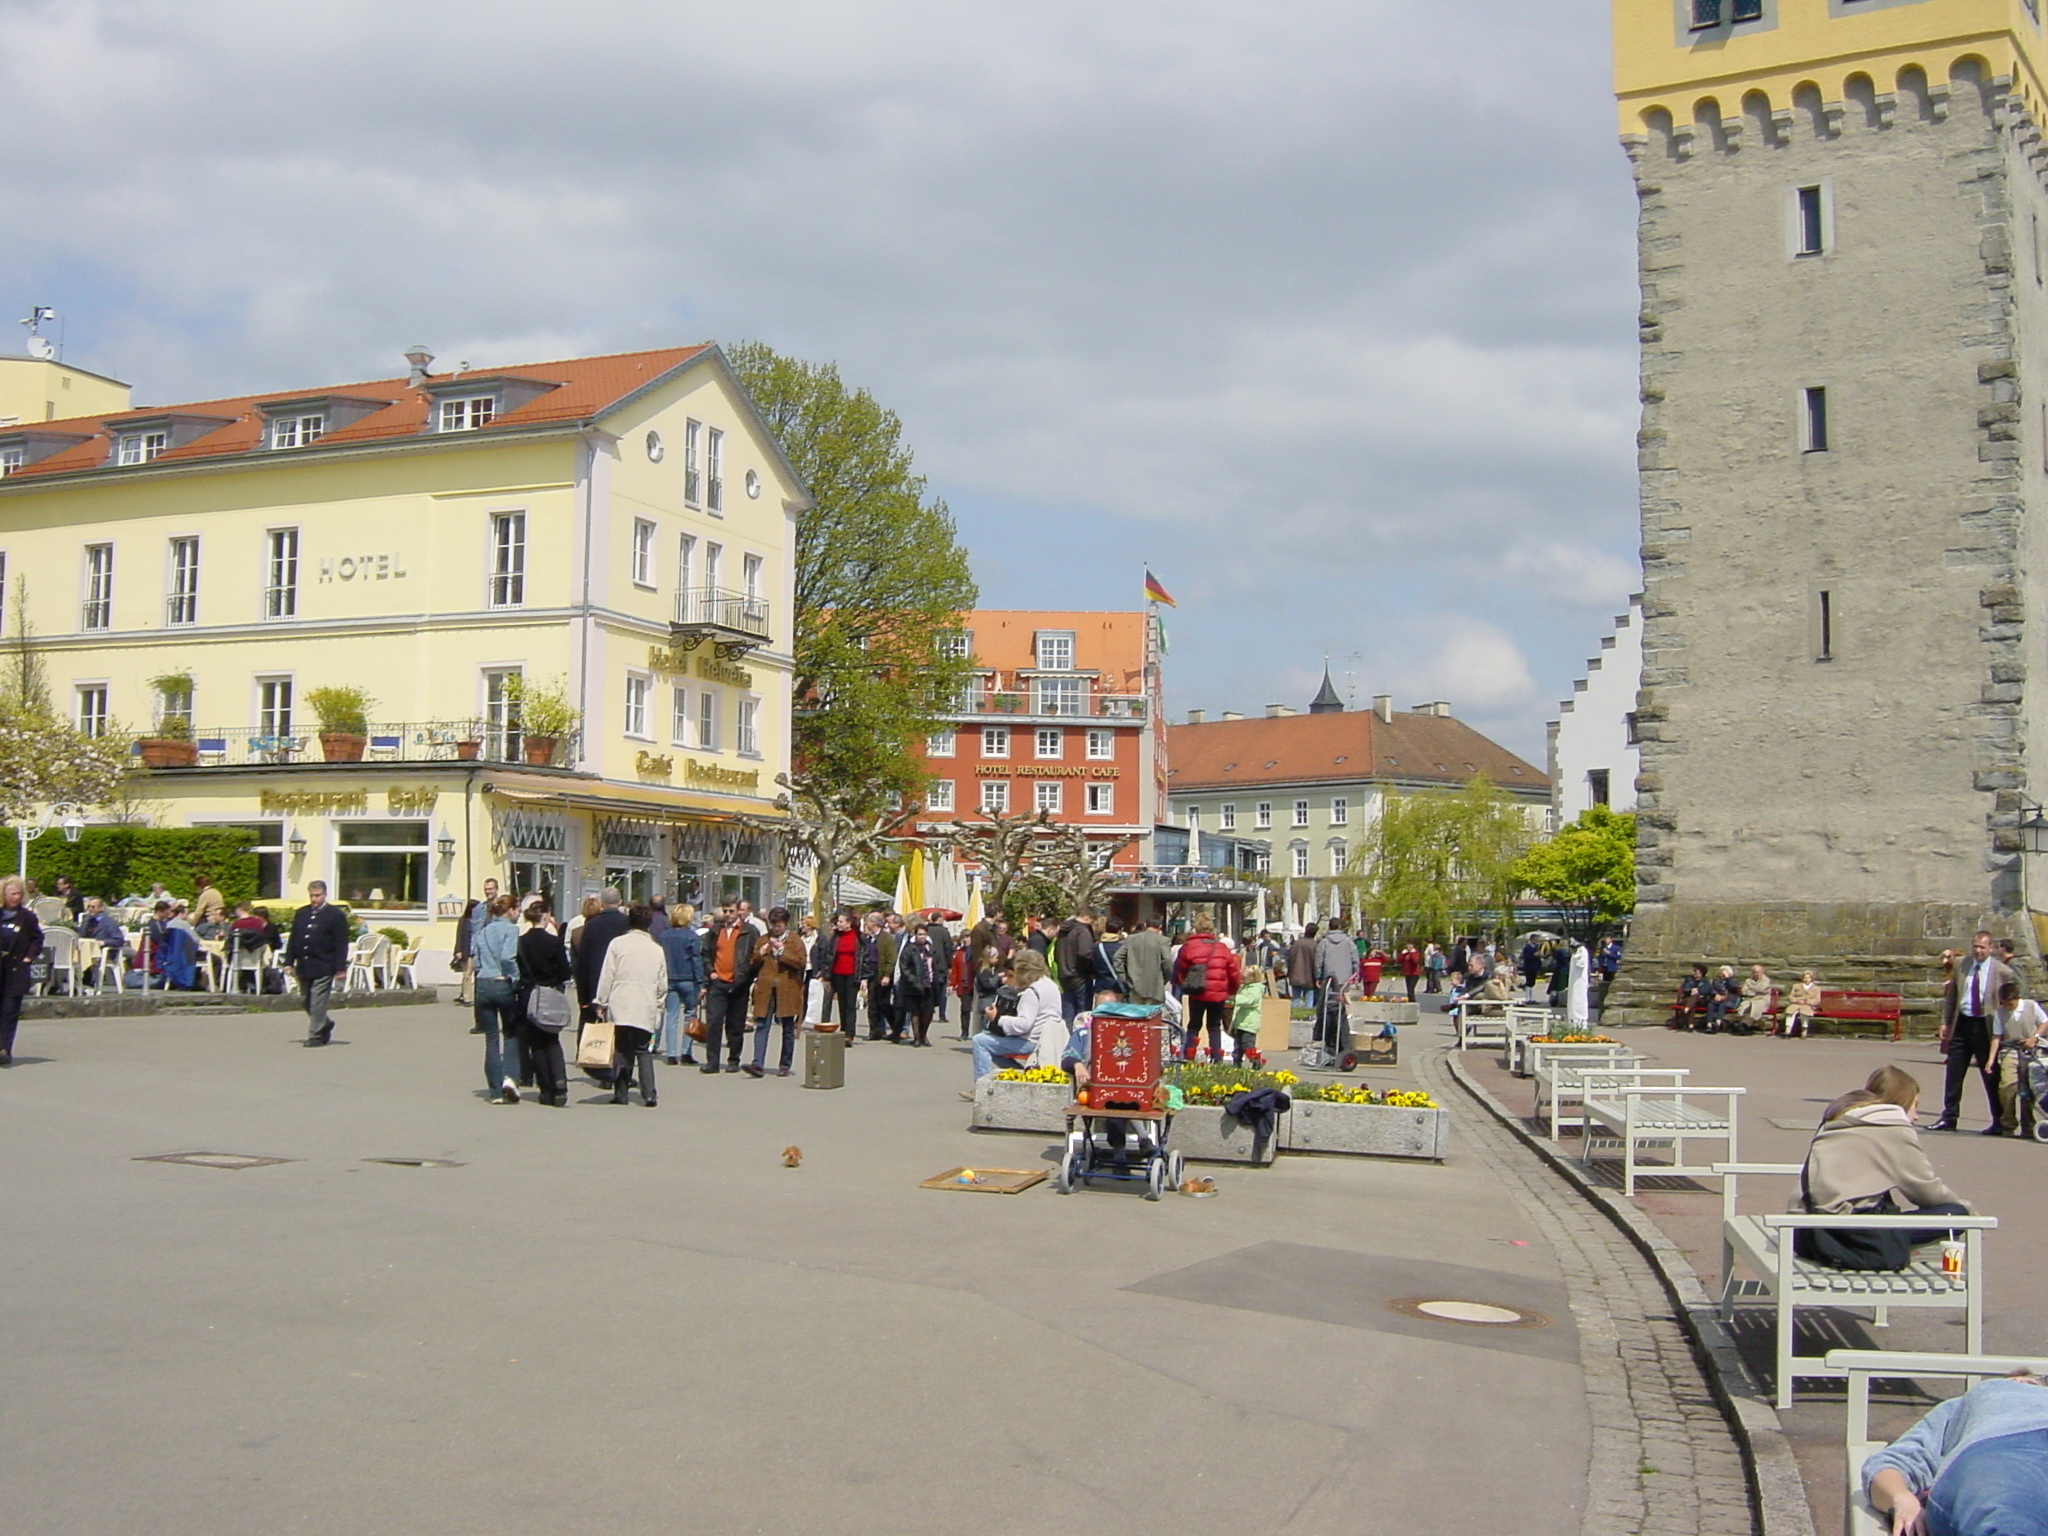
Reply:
x=423 y=741
x=1037 y=700
x=1189 y=880
x=733 y=622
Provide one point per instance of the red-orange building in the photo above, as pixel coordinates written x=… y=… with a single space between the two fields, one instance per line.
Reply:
x=1062 y=716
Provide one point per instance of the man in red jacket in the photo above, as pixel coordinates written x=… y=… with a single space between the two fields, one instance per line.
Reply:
x=1208 y=975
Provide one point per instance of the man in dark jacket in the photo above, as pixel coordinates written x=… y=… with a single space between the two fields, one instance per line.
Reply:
x=317 y=952
x=1301 y=968
x=592 y=940
x=943 y=945
x=729 y=966
x=1074 y=948
x=1144 y=965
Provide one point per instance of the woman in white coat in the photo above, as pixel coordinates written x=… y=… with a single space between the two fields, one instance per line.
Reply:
x=632 y=989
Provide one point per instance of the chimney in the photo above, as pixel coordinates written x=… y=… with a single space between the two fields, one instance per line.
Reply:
x=1197 y=716
x=1276 y=711
x=1383 y=706
x=420 y=360
x=1441 y=708
x=1233 y=714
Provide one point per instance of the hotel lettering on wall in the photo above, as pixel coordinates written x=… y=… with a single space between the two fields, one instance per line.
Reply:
x=362 y=568
x=684 y=663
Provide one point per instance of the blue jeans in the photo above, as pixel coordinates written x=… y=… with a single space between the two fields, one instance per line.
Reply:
x=1075 y=997
x=1997 y=1487
x=497 y=1012
x=762 y=1026
x=682 y=999
x=988 y=1045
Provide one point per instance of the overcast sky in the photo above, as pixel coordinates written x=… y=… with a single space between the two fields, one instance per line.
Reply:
x=1324 y=310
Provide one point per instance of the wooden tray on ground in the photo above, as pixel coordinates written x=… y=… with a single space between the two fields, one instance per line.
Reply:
x=989 y=1181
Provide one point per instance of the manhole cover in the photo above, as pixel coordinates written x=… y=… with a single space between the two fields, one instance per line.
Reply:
x=415 y=1162
x=229 y=1160
x=1471 y=1314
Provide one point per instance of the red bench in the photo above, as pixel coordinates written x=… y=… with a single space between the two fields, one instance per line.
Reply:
x=1837 y=1005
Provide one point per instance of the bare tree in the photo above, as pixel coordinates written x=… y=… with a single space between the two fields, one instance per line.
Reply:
x=834 y=831
x=1080 y=866
x=1002 y=845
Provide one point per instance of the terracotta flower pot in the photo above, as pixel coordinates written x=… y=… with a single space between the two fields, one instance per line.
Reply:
x=540 y=751
x=163 y=752
x=341 y=747
x=467 y=751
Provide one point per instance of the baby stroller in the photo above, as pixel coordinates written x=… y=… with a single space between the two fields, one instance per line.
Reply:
x=1118 y=1123
x=2034 y=1091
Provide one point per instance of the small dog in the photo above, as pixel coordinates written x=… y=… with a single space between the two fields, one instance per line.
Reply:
x=792 y=1156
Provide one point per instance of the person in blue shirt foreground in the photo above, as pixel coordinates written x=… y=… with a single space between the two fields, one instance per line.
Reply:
x=1977 y=1465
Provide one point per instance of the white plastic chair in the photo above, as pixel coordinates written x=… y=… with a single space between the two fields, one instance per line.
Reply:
x=369 y=964
x=245 y=959
x=402 y=974
x=62 y=944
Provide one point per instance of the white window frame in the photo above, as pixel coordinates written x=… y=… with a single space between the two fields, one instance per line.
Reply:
x=501 y=710
x=751 y=567
x=181 y=598
x=1301 y=810
x=281 y=573
x=995 y=741
x=1191 y=818
x=633 y=716
x=297 y=431
x=746 y=730
x=97 y=611
x=708 y=713
x=466 y=413
x=1340 y=855
x=1052 y=650
x=12 y=459
x=1046 y=796
x=140 y=447
x=271 y=719
x=505 y=586
x=1101 y=798
x=1226 y=816
x=1340 y=811
x=938 y=795
x=693 y=475
x=1049 y=743
x=643 y=553
x=89 y=708
x=957 y=645
x=1101 y=746
x=941 y=744
x=1262 y=816
x=714 y=470
x=714 y=564
x=681 y=726
x=1060 y=697
x=1300 y=853
x=995 y=796
x=1796 y=247
x=686 y=560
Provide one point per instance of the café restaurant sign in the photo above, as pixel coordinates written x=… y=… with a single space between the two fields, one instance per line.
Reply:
x=398 y=801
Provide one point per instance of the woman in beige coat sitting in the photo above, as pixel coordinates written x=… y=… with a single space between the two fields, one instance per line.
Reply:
x=1867 y=1151
x=1801 y=1004
x=1756 y=999
x=632 y=989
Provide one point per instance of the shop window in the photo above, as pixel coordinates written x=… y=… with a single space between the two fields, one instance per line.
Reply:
x=381 y=865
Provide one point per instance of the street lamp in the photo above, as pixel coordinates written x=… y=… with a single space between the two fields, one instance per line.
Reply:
x=2033 y=827
x=28 y=832
x=298 y=844
x=445 y=844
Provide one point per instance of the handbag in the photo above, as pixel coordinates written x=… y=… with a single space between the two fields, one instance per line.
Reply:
x=548 y=1008
x=595 y=1049
x=814 y=1000
x=1865 y=1248
x=697 y=1029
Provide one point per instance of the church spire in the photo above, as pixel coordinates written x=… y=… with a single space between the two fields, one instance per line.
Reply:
x=1326 y=701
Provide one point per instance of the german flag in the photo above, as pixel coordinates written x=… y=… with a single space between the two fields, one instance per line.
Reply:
x=1155 y=593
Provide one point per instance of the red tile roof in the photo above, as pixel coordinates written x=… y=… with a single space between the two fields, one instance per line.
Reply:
x=585 y=387
x=1357 y=744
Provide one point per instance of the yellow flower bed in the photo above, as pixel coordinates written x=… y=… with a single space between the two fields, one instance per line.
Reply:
x=1358 y=1093
x=1031 y=1075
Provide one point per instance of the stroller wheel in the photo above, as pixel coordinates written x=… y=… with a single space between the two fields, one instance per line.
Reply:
x=1155 y=1178
x=2041 y=1130
x=1063 y=1176
x=1176 y=1169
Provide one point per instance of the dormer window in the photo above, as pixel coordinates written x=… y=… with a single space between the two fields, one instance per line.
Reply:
x=12 y=459
x=140 y=447
x=466 y=413
x=297 y=431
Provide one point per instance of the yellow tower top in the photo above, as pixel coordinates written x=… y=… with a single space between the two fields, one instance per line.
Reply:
x=36 y=389
x=1674 y=55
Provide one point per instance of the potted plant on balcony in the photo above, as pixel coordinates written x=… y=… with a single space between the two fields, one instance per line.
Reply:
x=545 y=717
x=172 y=745
x=344 y=715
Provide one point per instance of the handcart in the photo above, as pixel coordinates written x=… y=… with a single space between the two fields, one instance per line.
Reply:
x=2034 y=1093
x=1120 y=1120
x=1335 y=1015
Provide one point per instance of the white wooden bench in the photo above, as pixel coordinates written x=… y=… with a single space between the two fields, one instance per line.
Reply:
x=1560 y=1081
x=1863 y=1366
x=1640 y=1115
x=1526 y=1020
x=1480 y=1021
x=1763 y=1245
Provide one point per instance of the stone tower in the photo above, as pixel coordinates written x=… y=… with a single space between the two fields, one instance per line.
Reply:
x=1843 y=245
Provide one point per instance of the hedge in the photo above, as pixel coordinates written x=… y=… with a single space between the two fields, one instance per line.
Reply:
x=113 y=862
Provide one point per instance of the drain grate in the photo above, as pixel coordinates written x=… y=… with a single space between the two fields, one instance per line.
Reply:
x=1468 y=1314
x=414 y=1162
x=227 y=1160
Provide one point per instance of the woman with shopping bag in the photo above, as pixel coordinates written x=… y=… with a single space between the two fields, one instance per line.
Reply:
x=632 y=991
x=544 y=971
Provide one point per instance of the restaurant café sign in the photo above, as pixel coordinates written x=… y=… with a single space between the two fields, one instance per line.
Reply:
x=398 y=801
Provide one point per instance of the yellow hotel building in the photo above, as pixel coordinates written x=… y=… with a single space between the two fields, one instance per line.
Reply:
x=453 y=543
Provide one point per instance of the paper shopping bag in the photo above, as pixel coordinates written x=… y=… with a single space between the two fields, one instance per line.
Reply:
x=595 y=1048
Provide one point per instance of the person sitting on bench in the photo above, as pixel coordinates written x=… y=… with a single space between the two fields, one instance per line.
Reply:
x=1975 y=1464
x=1865 y=1150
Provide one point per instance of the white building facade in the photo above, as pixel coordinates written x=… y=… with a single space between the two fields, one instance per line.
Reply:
x=1593 y=753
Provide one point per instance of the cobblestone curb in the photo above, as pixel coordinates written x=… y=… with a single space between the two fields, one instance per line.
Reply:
x=1773 y=1487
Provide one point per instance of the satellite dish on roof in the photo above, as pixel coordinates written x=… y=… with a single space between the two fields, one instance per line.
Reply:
x=39 y=346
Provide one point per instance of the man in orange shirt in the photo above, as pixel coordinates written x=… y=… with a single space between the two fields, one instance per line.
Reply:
x=729 y=961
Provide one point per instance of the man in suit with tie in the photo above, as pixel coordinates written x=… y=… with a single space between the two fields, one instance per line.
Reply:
x=1966 y=1028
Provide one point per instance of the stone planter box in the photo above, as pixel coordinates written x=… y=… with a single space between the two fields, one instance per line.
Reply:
x=1384 y=1011
x=1012 y=1106
x=1203 y=1133
x=1366 y=1130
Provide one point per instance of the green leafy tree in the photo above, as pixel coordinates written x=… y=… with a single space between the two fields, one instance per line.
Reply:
x=1588 y=869
x=46 y=761
x=1436 y=860
x=881 y=577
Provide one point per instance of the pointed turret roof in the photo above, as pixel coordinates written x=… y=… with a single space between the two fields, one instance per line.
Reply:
x=1326 y=701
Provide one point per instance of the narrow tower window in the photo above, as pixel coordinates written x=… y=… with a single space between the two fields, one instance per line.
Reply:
x=1811 y=232
x=1824 y=625
x=1815 y=436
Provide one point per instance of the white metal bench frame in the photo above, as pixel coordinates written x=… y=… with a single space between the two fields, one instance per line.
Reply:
x=1788 y=1282
x=1476 y=1028
x=1525 y=1020
x=1653 y=1116
x=1561 y=1087
x=1863 y=1366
